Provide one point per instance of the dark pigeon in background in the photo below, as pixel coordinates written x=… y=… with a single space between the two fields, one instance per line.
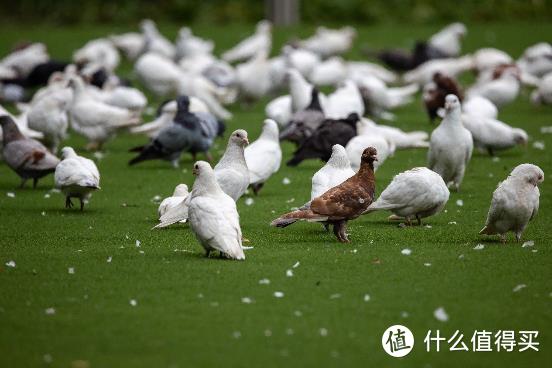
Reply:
x=319 y=144
x=304 y=122
x=188 y=132
x=27 y=157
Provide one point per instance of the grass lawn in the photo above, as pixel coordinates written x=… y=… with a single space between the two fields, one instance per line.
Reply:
x=189 y=310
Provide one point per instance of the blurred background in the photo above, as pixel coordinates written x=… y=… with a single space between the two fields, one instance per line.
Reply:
x=311 y=11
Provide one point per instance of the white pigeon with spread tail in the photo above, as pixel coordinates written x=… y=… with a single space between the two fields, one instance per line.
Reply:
x=231 y=171
x=415 y=193
x=76 y=176
x=214 y=218
x=263 y=156
x=175 y=208
x=451 y=145
x=515 y=202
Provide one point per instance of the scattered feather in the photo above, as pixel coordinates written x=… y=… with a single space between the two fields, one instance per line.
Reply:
x=366 y=297
x=289 y=273
x=278 y=294
x=47 y=195
x=519 y=287
x=427 y=264
x=459 y=203
x=109 y=259
x=264 y=281
x=133 y=302
x=406 y=251
x=546 y=130
x=50 y=311
x=267 y=333
x=138 y=242
x=296 y=264
x=10 y=194
x=249 y=201
x=479 y=246
x=539 y=145
x=290 y=200
x=404 y=314
x=236 y=334
x=335 y=296
x=10 y=264
x=440 y=314
x=246 y=300
x=71 y=270
x=323 y=332
x=528 y=243
x=286 y=181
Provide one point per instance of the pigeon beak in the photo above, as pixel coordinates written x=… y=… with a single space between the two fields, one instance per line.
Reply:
x=195 y=172
x=374 y=158
x=246 y=141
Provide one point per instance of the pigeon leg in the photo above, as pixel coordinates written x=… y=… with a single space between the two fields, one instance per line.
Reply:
x=257 y=188
x=419 y=220
x=81 y=204
x=326 y=226
x=209 y=156
x=408 y=222
x=207 y=252
x=343 y=232
x=502 y=238
x=490 y=150
x=518 y=236
x=35 y=182
x=68 y=203
x=336 y=231
x=23 y=181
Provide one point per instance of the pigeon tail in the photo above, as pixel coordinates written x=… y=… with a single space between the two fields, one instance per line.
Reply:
x=292 y=217
x=150 y=152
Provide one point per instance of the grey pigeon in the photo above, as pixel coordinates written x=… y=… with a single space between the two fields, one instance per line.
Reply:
x=185 y=133
x=27 y=157
x=304 y=122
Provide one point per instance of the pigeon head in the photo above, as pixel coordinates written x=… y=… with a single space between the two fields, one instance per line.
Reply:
x=9 y=129
x=239 y=137
x=264 y=26
x=339 y=158
x=67 y=152
x=180 y=191
x=529 y=173
x=452 y=103
x=369 y=155
x=202 y=168
x=270 y=130
x=183 y=103
x=520 y=136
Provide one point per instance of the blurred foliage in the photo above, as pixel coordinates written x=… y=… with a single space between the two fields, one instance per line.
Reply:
x=312 y=11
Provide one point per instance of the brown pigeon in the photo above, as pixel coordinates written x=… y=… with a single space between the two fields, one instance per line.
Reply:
x=26 y=156
x=434 y=96
x=342 y=203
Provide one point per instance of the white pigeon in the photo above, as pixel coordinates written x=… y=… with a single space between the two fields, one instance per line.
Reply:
x=448 y=40
x=125 y=97
x=253 y=76
x=491 y=134
x=278 y=69
x=49 y=116
x=344 y=101
x=76 y=176
x=543 y=94
x=329 y=72
x=334 y=172
x=501 y=91
x=300 y=91
x=488 y=58
x=261 y=40
x=537 y=59
x=451 y=145
x=24 y=60
x=279 y=110
x=328 y=42
x=480 y=106
x=361 y=68
x=231 y=171
x=301 y=60
x=179 y=194
x=415 y=193
x=159 y=74
x=263 y=156
x=451 y=67
x=395 y=136
x=22 y=125
x=188 y=45
x=100 y=52
x=515 y=202
x=175 y=208
x=154 y=41
x=130 y=44
x=366 y=139
x=380 y=98
x=95 y=120
x=213 y=215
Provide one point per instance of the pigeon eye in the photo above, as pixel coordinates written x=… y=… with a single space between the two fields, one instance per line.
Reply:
x=196 y=167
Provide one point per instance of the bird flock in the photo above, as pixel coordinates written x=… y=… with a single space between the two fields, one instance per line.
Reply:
x=85 y=96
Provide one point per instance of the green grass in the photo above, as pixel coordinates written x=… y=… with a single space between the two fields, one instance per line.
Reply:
x=189 y=307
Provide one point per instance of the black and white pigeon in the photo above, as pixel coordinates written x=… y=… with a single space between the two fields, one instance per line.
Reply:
x=27 y=157
x=304 y=122
x=185 y=133
x=319 y=144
